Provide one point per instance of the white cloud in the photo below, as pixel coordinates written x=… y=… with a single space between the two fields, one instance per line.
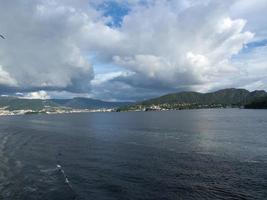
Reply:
x=193 y=46
x=47 y=43
x=106 y=77
x=37 y=95
x=255 y=14
x=6 y=79
x=164 y=45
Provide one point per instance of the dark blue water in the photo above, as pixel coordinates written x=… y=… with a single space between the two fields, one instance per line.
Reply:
x=191 y=154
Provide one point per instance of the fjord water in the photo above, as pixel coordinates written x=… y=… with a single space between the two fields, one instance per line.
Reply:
x=188 y=154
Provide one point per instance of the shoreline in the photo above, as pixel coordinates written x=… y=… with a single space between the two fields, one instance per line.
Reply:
x=31 y=112
x=17 y=113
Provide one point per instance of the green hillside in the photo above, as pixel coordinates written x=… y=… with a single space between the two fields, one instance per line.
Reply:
x=260 y=103
x=181 y=100
x=226 y=97
x=221 y=98
x=13 y=103
x=86 y=103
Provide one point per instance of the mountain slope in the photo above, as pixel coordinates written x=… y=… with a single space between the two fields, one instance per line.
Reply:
x=225 y=97
x=86 y=103
x=13 y=103
x=260 y=103
x=190 y=100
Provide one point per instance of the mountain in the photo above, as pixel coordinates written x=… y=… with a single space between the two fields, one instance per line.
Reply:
x=221 y=98
x=13 y=103
x=260 y=103
x=181 y=100
x=230 y=96
x=87 y=103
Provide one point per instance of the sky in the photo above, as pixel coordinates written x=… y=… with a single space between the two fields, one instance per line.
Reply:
x=131 y=50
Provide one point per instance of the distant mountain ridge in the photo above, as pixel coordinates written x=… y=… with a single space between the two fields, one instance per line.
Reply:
x=190 y=100
x=183 y=100
x=13 y=103
x=229 y=96
x=87 y=103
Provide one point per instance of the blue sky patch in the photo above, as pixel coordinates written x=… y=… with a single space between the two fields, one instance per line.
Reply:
x=115 y=10
x=251 y=46
x=257 y=44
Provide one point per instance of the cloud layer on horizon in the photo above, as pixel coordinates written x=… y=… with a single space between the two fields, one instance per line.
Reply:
x=158 y=47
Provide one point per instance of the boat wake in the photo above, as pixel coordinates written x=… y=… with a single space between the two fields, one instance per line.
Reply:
x=58 y=170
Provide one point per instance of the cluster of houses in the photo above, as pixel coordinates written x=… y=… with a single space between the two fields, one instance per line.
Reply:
x=49 y=110
x=165 y=106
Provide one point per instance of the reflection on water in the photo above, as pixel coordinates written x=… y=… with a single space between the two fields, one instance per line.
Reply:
x=194 y=154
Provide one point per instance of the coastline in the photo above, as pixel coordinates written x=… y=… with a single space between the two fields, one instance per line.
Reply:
x=30 y=112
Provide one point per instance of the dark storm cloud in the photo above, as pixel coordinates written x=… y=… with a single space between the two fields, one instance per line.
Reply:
x=165 y=46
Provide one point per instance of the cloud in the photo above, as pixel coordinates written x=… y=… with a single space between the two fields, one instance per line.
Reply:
x=124 y=86
x=48 y=42
x=255 y=14
x=252 y=69
x=36 y=95
x=186 y=48
x=6 y=79
x=157 y=46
